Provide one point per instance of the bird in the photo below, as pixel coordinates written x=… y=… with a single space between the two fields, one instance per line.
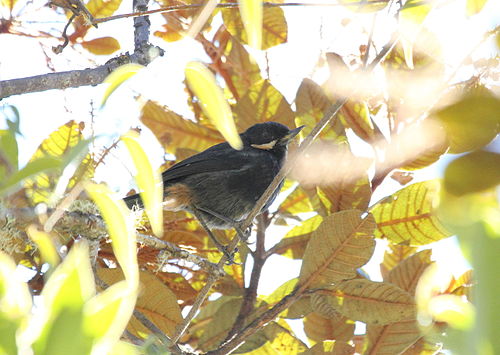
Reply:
x=221 y=185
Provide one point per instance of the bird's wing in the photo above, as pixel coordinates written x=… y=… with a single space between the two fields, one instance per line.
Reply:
x=220 y=157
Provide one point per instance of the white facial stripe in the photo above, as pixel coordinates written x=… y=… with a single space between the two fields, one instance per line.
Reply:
x=265 y=146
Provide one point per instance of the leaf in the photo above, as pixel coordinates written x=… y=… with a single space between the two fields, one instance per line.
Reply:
x=411 y=16
x=473 y=172
x=156 y=301
x=149 y=182
x=15 y=304
x=9 y=150
x=395 y=254
x=296 y=202
x=9 y=4
x=409 y=215
x=341 y=244
x=274 y=338
x=102 y=45
x=311 y=104
x=319 y=328
x=462 y=286
x=332 y=348
x=242 y=71
x=365 y=6
x=274 y=26
x=38 y=166
x=474 y=7
x=121 y=230
x=174 y=131
x=251 y=12
x=262 y=103
x=357 y=117
x=117 y=78
x=63 y=298
x=424 y=347
x=220 y=323
x=346 y=194
x=396 y=337
x=103 y=8
x=58 y=145
x=472 y=122
x=295 y=241
x=45 y=245
x=372 y=302
x=202 y=82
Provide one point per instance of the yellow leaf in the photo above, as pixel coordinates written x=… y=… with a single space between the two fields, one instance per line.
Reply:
x=103 y=8
x=174 y=131
x=346 y=194
x=58 y=145
x=274 y=26
x=118 y=77
x=156 y=301
x=101 y=46
x=148 y=181
x=8 y=4
x=296 y=202
x=452 y=309
x=121 y=230
x=473 y=7
x=282 y=291
x=341 y=244
x=295 y=241
x=372 y=302
x=45 y=244
x=409 y=215
x=201 y=80
x=251 y=14
x=262 y=103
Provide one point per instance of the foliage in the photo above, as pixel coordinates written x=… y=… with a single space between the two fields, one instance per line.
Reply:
x=99 y=293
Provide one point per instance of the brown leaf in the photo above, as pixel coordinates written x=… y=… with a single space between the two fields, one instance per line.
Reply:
x=330 y=348
x=407 y=273
x=341 y=244
x=101 y=46
x=319 y=328
x=295 y=241
x=174 y=131
x=394 y=255
x=156 y=301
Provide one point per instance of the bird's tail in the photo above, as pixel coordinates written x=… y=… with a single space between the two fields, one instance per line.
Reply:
x=134 y=201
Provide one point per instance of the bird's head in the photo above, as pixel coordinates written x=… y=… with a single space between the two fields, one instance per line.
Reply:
x=270 y=136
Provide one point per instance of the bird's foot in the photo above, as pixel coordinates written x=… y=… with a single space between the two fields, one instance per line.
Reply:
x=244 y=235
x=230 y=256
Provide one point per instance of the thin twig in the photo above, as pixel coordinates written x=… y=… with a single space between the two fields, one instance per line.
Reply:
x=225 y=6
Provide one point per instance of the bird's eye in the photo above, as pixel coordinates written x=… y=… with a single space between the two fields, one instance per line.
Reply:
x=265 y=146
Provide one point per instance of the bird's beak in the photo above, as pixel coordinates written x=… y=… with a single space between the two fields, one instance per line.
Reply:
x=286 y=139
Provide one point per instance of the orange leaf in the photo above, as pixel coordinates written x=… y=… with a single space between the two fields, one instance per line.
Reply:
x=101 y=46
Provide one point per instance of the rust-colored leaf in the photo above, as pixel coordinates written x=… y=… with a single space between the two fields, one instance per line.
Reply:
x=174 y=131
x=409 y=215
x=156 y=301
x=341 y=244
x=357 y=117
x=102 y=45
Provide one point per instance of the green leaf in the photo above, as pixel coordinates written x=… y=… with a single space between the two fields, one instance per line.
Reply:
x=471 y=122
x=148 y=181
x=474 y=172
x=251 y=14
x=31 y=170
x=63 y=297
x=8 y=150
x=15 y=304
x=117 y=78
x=201 y=80
x=409 y=216
x=44 y=242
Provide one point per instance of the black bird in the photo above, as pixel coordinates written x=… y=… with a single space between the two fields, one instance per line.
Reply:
x=220 y=185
